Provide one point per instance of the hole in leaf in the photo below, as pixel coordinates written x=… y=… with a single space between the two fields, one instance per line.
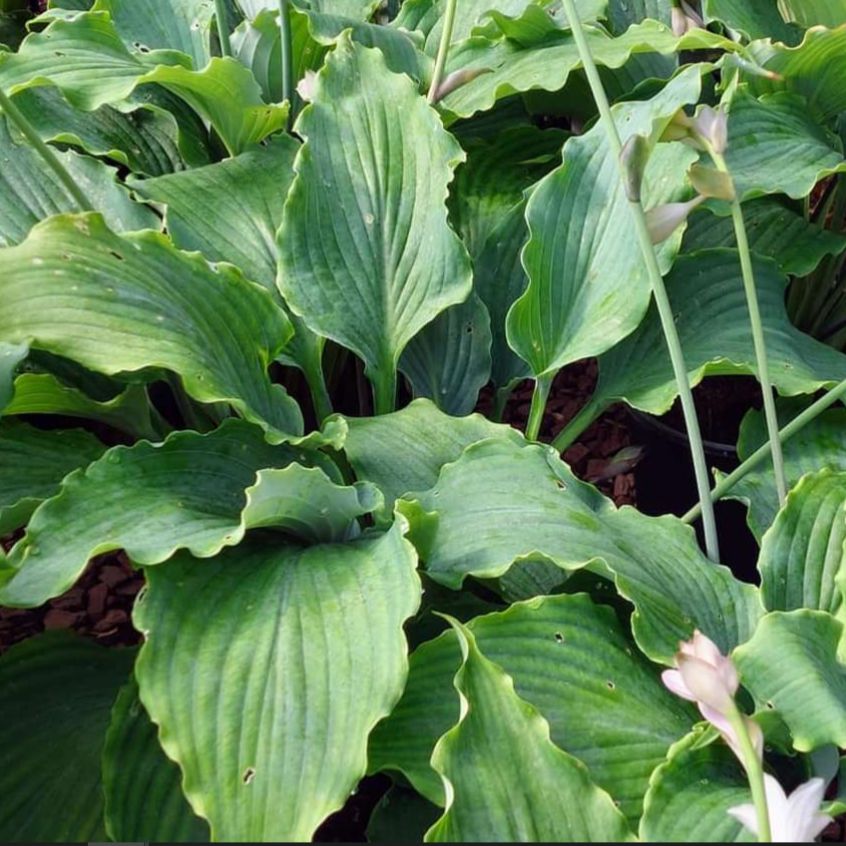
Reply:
x=559 y=638
x=610 y=685
x=116 y=255
x=770 y=706
x=249 y=775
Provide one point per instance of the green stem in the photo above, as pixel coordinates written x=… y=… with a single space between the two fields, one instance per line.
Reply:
x=501 y=398
x=754 y=773
x=319 y=393
x=384 y=383
x=662 y=302
x=758 y=341
x=539 y=398
x=46 y=153
x=443 y=49
x=584 y=417
x=796 y=425
x=286 y=41
x=222 y=24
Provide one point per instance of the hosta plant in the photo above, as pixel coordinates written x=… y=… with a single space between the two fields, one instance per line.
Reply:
x=257 y=261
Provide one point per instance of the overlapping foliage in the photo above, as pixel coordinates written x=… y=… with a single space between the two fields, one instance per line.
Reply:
x=418 y=591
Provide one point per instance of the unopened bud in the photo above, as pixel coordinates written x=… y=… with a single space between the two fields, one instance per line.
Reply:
x=683 y=18
x=678 y=129
x=664 y=220
x=711 y=183
x=456 y=79
x=712 y=125
x=634 y=157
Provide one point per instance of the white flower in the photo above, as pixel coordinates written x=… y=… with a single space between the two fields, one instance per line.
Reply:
x=707 y=677
x=793 y=819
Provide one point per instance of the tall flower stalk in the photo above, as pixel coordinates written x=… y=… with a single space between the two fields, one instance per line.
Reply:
x=443 y=51
x=659 y=291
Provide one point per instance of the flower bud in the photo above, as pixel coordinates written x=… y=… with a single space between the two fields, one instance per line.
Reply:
x=634 y=157
x=664 y=220
x=305 y=87
x=456 y=79
x=711 y=183
x=712 y=125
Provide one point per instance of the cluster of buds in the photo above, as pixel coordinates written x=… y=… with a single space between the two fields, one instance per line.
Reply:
x=707 y=130
x=705 y=676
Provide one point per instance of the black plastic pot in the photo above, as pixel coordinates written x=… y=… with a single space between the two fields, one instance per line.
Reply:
x=666 y=485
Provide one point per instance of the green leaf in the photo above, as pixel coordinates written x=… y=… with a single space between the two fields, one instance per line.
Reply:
x=43 y=393
x=29 y=191
x=802 y=554
x=366 y=255
x=515 y=68
x=471 y=524
x=774 y=230
x=404 y=451
x=808 y=13
x=141 y=134
x=33 y=463
x=151 y=500
x=230 y=210
x=506 y=779
x=822 y=443
x=57 y=692
x=572 y=660
x=150 y=25
x=689 y=795
x=790 y=665
x=304 y=654
x=753 y=20
x=97 y=69
x=712 y=319
x=11 y=355
x=227 y=95
x=150 y=306
x=623 y=13
x=776 y=147
x=143 y=796
x=814 y=69
x=588 y=286
x=449 y=360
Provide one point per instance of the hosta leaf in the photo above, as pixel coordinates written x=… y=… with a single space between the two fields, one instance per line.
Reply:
x=57 y=693
x=690 y=794
x=471 y=524
x=571 y=659
x=43 y=393
x=791 y=665
x=773 y=230
x=306 y=503
x=142 y=788
x=29 y=192
x=117 y=304
x=775 y=147
x=449 y=361
x=822 y=443
x=588 y=286
x=304 y=654
x=405 y=451
x=815 y=69
x=507 y=780
x=547 y=66
x=366 y=255
x=97 y=69
x=712 y=320
x=150 y=25
x=230 y=210
x=11 y=355
x=754 y=20
x=33 y=462
x=621 y=14
x=145 y=138
x=151 y=500
x=802 y=559
x=808 y=13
